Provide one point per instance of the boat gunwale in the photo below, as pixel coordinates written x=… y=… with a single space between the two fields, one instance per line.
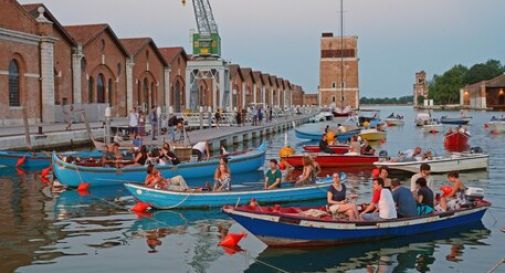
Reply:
x=412 y=163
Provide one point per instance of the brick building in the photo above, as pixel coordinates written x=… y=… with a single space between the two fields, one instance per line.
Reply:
x=421 y=89
x=247 y=86
x=338 y=71
x=311 y=99
x=297 y=95
x=176 y=58
x=259 y=87
x=147 y=74
x=485 y=94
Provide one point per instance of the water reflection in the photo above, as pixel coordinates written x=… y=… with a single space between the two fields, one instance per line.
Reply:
x=396 y=255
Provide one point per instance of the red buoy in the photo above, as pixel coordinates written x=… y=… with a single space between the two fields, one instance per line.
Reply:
x=486 y=125
x=83 y=187
x=46 y=171
x=446 y=190
x=282 y=166
x=231 y=240
x=44 y=180
x=375 y=173
x=21 y=161
x=141 y=207
x=232 y=250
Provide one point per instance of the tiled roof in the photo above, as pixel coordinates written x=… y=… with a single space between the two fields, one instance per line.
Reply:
x=32 y=9
x=170 y=53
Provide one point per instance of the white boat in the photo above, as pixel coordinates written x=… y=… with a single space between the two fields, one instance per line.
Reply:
x=496 y=127
x=394 y=121
x=423 y=119
x=441 y=164
x=432 y=128
x=323 y=116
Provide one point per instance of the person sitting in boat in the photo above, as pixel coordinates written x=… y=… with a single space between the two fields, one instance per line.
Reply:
x=166 y=156
x=323 y=145
x=222 y=176
x=404 y=200
x=424 y=172
x=425 y=197
x=141 y=156
x=201 y=148
x=366 y=149
x=118 y=156
x=156 y=181
x=382 y=200
x=454 y=199
x=411 y=154
x=153 y=157
x=337 y=201
x=137 y=141
x=273 y=177
x=384 y=174
x=109 y=158
x=354 y=146
x=309 y=173
x=428 y=155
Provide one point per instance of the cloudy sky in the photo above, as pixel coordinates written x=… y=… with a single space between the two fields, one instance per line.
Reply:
x=396 y=37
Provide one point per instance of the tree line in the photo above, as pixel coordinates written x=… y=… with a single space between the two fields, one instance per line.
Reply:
x=386 y=100
x=444 y=89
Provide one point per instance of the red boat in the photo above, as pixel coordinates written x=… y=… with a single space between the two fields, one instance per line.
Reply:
x=334 y=160
x=338 y=149
x=456 y=141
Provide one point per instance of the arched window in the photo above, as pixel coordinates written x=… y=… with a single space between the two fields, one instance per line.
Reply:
x=110 y=92
x=14 y=84
x=100 y=88
x=91 y=94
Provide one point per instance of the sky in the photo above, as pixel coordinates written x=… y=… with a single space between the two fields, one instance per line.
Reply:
x=281 y=37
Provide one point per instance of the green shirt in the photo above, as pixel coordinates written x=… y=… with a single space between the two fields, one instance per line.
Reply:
x=272 y=176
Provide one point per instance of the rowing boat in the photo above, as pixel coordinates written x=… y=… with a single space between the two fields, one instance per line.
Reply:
x=334 y=160
x=70 y=174
x=441 y=164
x=338 y=149
x=35 y=160
x=317 y=135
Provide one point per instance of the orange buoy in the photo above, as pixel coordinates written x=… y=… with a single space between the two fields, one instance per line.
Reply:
x=375 y=173
x=446 y=190
x=21 y=161
x=232 y=239
x=232 y=250
x=83 y=187
x=141 y=207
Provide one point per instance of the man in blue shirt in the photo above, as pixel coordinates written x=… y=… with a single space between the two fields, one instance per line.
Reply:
x=404 y=200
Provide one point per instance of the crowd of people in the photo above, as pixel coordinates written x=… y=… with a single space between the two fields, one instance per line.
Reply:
x=357 y=145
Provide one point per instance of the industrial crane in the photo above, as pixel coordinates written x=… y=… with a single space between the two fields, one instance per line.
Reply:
x=207 y=42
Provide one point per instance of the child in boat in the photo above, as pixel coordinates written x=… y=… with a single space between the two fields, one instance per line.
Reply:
x=337 y=202
x=456 y=197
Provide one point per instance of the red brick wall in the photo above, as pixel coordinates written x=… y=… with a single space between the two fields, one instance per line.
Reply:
x=63 y=69
x=155 y=75
x=14 y=17
x=178 y=79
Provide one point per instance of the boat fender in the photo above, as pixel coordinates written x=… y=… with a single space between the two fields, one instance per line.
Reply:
x=232 y=239
x=44 y=180
x=282 y=167
x=21 y=161
x=83 y=187
x=141 y=207
x=46 y=171
x=476 y=150
x=375 y=173
x=383 y=153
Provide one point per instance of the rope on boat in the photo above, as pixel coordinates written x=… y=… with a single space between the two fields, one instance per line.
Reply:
x=495 y=267
x=180 y=202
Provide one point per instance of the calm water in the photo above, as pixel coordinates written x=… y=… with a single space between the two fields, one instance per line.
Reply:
x=42 y=231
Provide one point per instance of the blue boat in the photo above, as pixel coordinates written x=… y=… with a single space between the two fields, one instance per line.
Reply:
x=242 y=194
x=35 y=160
x=286 y=227
x=455 y=121
x=316 y=135
x=72 y=175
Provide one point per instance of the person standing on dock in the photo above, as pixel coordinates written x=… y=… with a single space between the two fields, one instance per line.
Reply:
x=153 y=119
x=133 y=121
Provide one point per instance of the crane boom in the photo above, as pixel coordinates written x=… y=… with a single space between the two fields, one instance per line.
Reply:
x=210 y=16
x=207 y=41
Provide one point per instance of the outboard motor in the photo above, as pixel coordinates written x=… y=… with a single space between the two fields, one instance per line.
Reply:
x=383 y=153
x=474 y=194
x=476 y=150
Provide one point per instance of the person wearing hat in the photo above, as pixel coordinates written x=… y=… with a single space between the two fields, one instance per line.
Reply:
x=273 y=177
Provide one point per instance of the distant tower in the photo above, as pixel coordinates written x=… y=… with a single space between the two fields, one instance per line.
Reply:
x=338 y=71
x=420 y=87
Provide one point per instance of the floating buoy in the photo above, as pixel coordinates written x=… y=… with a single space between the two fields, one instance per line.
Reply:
x=375 y=173
x=83 y=187
x=20 y=171
x=21 y=161
x=46 y=171
x=232 y=239
x=44 y=180
x=141 y=207
x=282 y=166
x=232 y=250
x=446 y=190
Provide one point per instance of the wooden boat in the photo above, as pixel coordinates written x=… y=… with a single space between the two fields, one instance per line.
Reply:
x=316 y=135
x=456 y=140
x=441 y=164
x=372 y=135
x=100 y=145
x=334 y=160
x=338 y=149
x=241 y=194
x=496 y=127
x=290 y=227
x=394 y=121
x=432 y=128
x=36 y=159
x=72 y=175
x=455 y=121
x=339 y=112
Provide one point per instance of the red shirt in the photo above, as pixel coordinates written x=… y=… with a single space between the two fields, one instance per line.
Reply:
x=376 y=196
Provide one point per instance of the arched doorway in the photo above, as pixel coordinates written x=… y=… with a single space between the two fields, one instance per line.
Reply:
x=14 y=84
x=177 y=97
x=91 y=93
x=100 y=88
x=153 y=95
x=145 y=95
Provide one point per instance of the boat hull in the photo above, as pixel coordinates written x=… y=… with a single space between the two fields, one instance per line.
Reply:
x=161 y=199
x=338 y=149
x=341 y=137
x=394 y=122
x=334 y=161
x=432 y=129
x=456 y=141
x=277 y=230
x=455 y=121
x=72 y=175
x=36 y=160
x=444 y=165
x=372 y=135
x=496 y=127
